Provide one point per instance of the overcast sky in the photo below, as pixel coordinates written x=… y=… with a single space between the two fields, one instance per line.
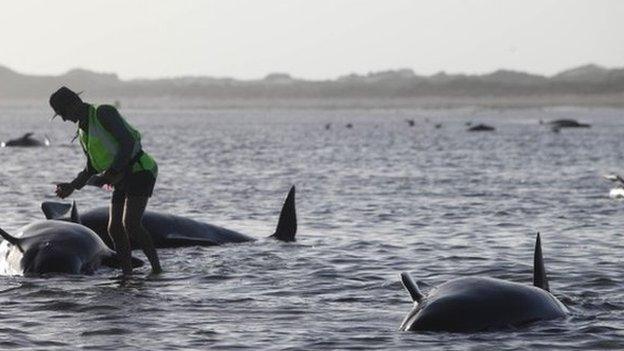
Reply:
x=313 y=39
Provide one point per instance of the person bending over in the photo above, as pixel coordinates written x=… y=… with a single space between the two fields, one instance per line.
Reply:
x=113 y=149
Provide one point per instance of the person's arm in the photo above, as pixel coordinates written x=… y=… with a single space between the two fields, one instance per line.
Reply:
x=82 y=177
x=111 y=121
x=63 y=190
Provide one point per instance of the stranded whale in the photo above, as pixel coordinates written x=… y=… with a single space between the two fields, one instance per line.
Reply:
x=55 y=247
x=477 y=303
x=26 y=140
x=567 y=123
x=481 y=128
x=175 y=231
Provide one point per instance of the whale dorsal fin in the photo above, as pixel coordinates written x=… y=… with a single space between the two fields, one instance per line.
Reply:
x=59 y=210
x=539 y=272
x=411 y=287
x=75 y=217
x=55 y=210
x=287 y=224
x=10 y=238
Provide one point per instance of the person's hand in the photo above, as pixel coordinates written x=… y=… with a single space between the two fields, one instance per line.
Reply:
x=112 y=177
x=63 y=190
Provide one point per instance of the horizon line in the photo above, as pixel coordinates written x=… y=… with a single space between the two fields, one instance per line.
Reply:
x=368 y=73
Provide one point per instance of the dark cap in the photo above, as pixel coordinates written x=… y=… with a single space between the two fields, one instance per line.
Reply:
x=62 y=99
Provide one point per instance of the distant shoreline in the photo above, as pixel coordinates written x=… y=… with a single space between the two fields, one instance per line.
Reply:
x=434 y=102
x=588 y=85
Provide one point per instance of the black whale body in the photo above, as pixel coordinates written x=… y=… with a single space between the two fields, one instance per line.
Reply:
x=474 y=304
x=56 y=247
x=26 y=140
x=481 y=128
x=169 y=231
x=567 y=123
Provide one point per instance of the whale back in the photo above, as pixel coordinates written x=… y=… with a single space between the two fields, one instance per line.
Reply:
x=166 y=230
x=477 y=303
x=169 y=231
x=480 y=303
x=26 y=140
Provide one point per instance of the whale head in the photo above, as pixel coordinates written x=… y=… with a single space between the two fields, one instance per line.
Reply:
x=51 y=257
x=57 y=247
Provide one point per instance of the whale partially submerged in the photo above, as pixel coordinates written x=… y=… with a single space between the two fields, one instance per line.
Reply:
x=481 y=128
x=567 y=123
x=55 y=247
x=169 y=230
x=474 y=304
x=26 y=140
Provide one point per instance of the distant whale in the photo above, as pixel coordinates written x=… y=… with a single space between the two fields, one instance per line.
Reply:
x=476 y=303
x=55 y=247
x=567 y=123
x=175 y=231
x=481 y=128
x=26 y=140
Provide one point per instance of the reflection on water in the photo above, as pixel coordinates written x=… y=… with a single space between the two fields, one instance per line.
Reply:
x=373 y=200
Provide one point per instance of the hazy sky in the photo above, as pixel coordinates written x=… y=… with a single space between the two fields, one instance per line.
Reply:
x=312 y=39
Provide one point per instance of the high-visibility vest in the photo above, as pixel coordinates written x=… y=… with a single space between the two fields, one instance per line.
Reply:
x=101 y=147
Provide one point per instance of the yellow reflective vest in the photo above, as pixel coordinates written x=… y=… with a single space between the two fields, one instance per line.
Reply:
x=101 y=147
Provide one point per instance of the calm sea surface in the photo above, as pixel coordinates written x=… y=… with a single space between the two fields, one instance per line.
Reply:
x=372 y=201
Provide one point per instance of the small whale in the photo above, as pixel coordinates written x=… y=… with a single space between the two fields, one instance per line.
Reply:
x=567 y=123
x=327 y=126
x=26 y=140
x=475 y=304
x=410 y=122
x=349 y=125
x=481 y=128
x=169 y=230
x=55 y=247
x=438 y=125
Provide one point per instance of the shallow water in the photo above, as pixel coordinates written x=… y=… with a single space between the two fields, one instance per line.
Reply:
x=372 y=201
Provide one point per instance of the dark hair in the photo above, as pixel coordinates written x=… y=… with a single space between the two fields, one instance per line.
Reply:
x=62 y=99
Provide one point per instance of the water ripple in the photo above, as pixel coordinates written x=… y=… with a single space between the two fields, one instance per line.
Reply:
x=373 y=201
